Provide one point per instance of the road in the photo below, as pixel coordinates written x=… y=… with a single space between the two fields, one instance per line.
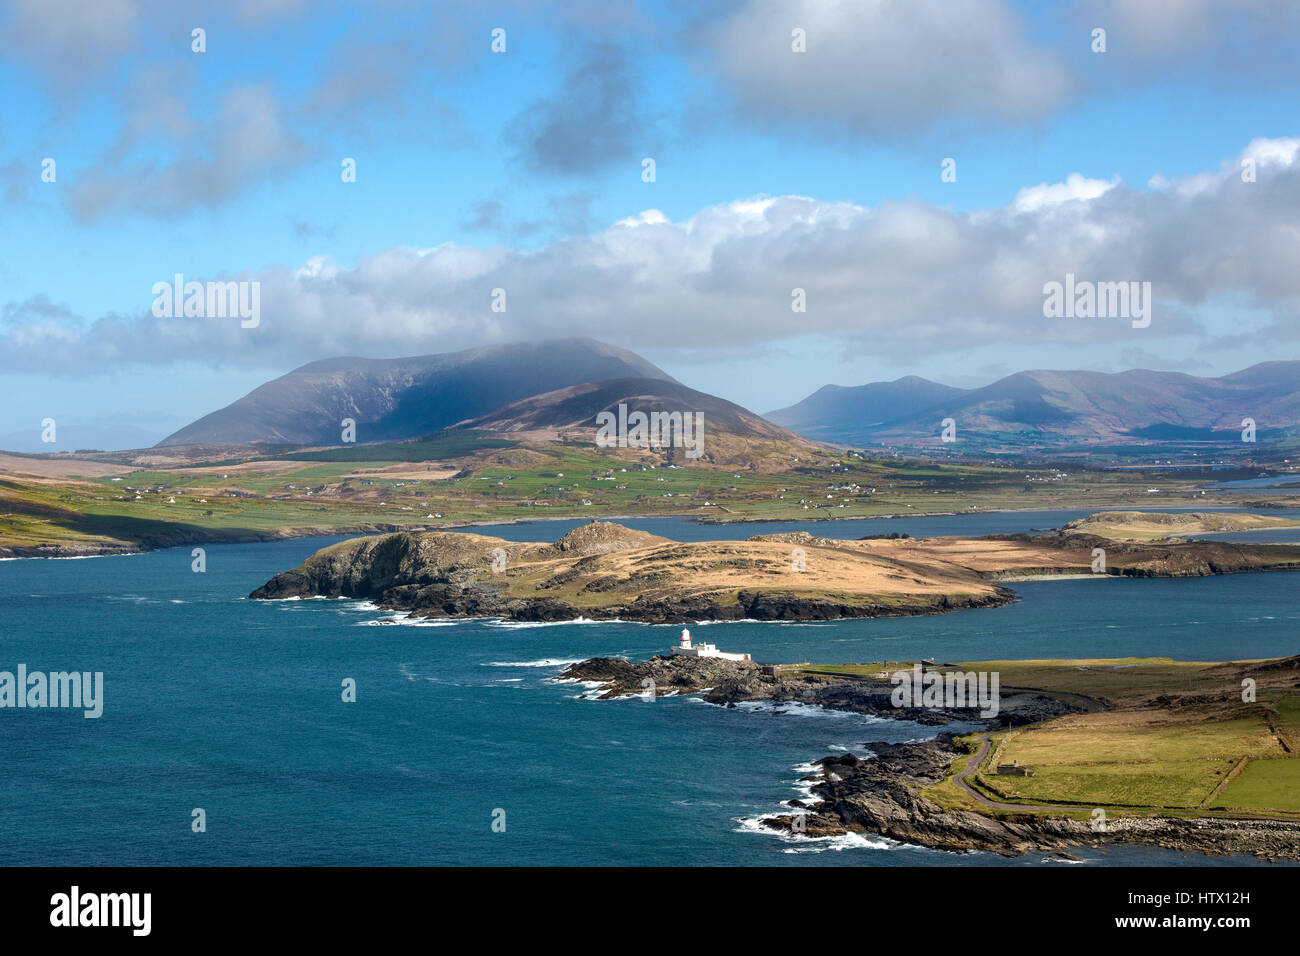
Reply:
x=973 y=765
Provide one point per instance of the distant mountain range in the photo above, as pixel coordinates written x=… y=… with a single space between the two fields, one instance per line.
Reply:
x=555 y=389
x=836 y=413
x=393 y=399
x=1044 y=410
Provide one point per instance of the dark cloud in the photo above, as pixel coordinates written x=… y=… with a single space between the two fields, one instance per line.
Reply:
x=593 y=121
x=245 y=142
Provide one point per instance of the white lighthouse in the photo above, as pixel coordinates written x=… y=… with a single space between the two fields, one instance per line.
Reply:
x=687 y=648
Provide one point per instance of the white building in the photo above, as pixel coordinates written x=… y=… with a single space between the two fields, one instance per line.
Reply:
x=688 y=649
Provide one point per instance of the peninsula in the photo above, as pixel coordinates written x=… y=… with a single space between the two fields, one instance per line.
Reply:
x=604 y=571
x=1183 y=755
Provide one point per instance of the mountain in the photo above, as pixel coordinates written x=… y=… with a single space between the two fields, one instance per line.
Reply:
x=848 y=414
x=578 y=405
x=392 y=399
x=1063 y=410
x=729 y=434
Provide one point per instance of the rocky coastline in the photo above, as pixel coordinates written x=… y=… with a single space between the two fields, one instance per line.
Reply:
x=879 y=795
x=728 y=683
x=878 y=792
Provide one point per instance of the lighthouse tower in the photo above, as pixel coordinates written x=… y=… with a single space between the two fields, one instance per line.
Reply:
x=688 y=648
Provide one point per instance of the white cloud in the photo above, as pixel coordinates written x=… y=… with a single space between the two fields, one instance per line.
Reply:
x=1274 y=152
x=906 y=276
x=650 y=217
x=1076 y=186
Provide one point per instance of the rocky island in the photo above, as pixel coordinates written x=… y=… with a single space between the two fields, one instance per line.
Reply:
x=604 y=571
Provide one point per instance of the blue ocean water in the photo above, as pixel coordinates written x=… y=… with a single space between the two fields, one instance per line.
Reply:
x=234 y=706
x=920 y=526
x=1271 y=483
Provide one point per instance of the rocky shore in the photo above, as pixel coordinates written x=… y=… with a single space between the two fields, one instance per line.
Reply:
x=879 y=792
x=879 y=795
x=728 y=683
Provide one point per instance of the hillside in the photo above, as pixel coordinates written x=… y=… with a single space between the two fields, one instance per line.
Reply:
x=730 y=434
x=849 y=414
x=1154 y=525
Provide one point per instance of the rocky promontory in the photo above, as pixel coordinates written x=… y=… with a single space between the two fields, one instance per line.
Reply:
x=881 y=795
x=604 y=571
x=913 y=793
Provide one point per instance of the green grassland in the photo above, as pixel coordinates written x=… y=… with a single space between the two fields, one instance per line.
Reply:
x=1125 y=765
x=475 y=479
x=1266 y=784
x=438 y=446
x=1101 y=679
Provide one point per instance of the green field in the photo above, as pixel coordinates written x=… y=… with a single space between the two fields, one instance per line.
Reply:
x=1119 y=764
x=447 y=480
x=436 y=447
x=1269 y=784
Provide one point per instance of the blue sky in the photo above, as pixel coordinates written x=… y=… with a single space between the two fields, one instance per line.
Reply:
x=523 y=170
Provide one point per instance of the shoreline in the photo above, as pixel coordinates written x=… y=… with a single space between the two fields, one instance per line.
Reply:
x=887 y=792
x=880 y=795
x=197 y=537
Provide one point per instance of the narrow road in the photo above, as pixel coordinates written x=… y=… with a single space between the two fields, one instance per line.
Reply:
x=973 y=765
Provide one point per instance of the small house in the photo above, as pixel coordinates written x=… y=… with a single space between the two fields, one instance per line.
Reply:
x=1014 y=769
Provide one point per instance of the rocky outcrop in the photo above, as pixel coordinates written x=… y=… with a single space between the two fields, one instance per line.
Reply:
x=619 y=676
x=731 y=682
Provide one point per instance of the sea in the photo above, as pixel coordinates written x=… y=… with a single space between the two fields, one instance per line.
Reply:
x=461 y=748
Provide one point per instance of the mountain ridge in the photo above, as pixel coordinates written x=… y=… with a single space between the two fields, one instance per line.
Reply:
x=1046 y=407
